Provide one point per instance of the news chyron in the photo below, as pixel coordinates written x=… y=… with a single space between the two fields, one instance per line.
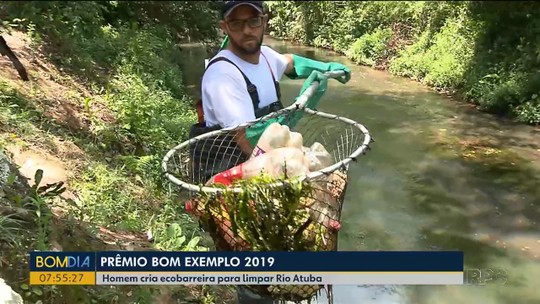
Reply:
x=248 y=268
x=62 y=268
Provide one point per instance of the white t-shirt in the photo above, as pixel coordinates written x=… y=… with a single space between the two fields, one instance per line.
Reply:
x=226 y=100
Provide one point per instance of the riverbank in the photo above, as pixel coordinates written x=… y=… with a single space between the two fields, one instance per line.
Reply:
x=111 y=195
x=84 y=135
x=457 y=48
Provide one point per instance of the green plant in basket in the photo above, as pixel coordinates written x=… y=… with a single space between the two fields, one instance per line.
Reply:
x=267 y=217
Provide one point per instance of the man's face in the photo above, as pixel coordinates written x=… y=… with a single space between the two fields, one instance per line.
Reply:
x=245 y=27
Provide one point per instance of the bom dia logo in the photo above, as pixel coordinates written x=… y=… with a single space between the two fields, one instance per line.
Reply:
x=62 y=261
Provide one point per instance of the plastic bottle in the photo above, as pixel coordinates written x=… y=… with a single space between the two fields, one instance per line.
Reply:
x=296 y=140
x=324 y=209
x=324 y=158
x=273 y=163
x=274 y=136
x=313 y=163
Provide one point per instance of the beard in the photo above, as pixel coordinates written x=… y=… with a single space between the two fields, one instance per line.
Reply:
x=248 y=50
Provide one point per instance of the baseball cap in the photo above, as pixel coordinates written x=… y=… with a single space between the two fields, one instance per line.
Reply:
x=231 y=5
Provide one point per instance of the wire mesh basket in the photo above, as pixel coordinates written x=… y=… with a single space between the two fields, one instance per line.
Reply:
x=288 y=208
x=314 y=219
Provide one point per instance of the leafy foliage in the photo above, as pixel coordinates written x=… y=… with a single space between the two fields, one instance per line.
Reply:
x=128 y=50
x=370 y=49
x=126 y=56
x=487 y=52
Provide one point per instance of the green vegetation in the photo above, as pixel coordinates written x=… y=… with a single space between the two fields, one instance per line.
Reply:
x=487 y=53
x=118 y=66
x=250 y=215
x=107 y=99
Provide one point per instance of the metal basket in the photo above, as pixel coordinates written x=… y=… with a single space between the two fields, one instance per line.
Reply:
x=190 y=164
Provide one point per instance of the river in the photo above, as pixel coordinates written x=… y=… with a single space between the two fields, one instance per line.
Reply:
x=440 y=176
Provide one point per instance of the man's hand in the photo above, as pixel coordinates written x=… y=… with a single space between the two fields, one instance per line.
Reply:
x=301 y=67
x=290 y=64
x=336 y=66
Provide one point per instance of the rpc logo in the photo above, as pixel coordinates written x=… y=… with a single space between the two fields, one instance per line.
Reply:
x=484 y=276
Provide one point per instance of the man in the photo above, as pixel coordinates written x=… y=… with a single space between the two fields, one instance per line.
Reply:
x=240 y=84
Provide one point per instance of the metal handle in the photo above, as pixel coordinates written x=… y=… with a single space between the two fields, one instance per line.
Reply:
x=308 y=93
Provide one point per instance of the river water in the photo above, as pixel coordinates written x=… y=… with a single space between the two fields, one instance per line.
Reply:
x=440 y=176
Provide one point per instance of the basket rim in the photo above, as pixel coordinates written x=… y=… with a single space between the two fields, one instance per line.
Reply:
x=344 y=163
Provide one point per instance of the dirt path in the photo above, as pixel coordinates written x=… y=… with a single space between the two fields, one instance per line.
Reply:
x=60 y=99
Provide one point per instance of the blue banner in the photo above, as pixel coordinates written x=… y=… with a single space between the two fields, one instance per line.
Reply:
x=333 y=261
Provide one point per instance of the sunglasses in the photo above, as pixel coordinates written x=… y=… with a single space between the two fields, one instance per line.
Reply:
x=238 y=25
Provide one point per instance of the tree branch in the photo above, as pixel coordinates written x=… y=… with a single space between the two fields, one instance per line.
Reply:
x=6 y=51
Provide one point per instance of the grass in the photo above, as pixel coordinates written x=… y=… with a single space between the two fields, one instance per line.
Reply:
x=105 y=102
x=114 y=181
x=10 y=229
x=113 y=194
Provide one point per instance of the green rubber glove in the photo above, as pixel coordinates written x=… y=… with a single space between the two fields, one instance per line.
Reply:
x=304 y=66
x=254 y=132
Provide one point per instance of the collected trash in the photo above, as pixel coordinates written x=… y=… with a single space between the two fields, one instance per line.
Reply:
x=300 y=216
x=318 y=157
x=286 y=195
x=274 y=163
x=274 y=136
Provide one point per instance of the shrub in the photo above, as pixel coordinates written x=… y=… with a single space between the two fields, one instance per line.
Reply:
x=371 y=49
